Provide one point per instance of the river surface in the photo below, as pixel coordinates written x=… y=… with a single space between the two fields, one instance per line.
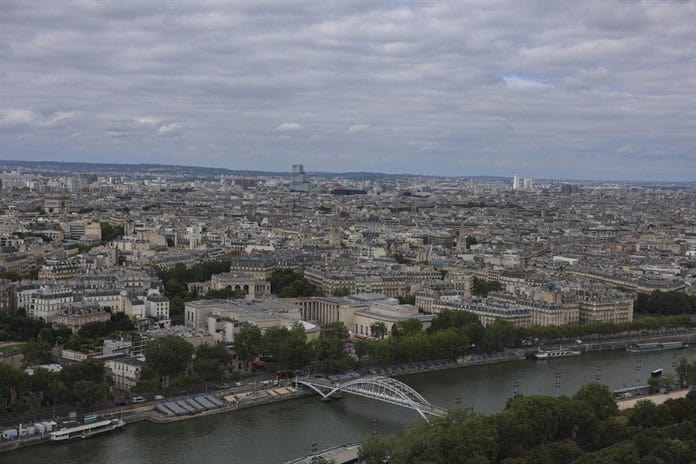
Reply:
x=282 y=431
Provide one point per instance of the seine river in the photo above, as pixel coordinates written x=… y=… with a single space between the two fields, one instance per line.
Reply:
x=278 y=432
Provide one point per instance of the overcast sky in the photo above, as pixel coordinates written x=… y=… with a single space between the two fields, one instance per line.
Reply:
x=565 y=89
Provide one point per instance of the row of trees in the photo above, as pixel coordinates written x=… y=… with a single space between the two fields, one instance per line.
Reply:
x=289 y=349
x=665 y=303
x=455 y=333
x=542 y=429
x=20 y=327
x=80 y=384
x=452 y=334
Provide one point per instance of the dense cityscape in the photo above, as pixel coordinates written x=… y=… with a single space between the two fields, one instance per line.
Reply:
x=126 y=287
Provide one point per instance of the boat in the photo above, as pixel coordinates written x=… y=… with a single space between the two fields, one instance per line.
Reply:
x=553 y=354
x=86 y=430
x=655 y=346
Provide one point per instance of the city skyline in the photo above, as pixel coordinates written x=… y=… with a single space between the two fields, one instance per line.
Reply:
x=600 y=91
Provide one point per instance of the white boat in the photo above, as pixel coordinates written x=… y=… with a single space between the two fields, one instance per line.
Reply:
x=552 y=354
x=86 y=430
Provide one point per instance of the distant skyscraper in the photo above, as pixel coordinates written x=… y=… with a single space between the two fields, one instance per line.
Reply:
x=515 y=182
x=528 y=183
x=569 y=188
x=298 y=183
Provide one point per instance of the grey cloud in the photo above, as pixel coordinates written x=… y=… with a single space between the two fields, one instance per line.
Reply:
x=477 y=87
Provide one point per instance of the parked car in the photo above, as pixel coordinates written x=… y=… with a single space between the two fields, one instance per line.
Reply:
x=138 y=399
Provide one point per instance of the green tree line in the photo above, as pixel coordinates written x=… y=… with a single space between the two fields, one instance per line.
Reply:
x=586 y=428
x=20 y=327
x=665 y=303
x=288 y=347
x=79 y=384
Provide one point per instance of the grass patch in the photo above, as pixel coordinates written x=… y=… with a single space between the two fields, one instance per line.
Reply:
x=10 y=347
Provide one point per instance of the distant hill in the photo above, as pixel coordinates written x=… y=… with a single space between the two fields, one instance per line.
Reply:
x=58 y=168
x=61 y=168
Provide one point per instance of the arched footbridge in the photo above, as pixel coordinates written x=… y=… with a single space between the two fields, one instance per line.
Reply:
x=379 y=388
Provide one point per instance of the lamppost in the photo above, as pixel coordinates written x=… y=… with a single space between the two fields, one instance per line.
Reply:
x=557 y=382
x=598 y=373
x=315 y=447
x=639 y=366
x=374 y=427
x=515 y=388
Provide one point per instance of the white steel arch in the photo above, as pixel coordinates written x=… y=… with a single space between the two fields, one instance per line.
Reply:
x=385 y=389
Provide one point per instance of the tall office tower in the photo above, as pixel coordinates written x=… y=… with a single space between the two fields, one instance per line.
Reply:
x=528 y=183
x=515 y=182
x=298 y=183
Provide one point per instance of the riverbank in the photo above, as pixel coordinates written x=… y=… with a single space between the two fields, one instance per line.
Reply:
x=657 y=398
x=283 y=431
x=254 y=398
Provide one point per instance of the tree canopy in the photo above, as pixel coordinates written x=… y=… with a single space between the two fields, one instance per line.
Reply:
x=168 y=355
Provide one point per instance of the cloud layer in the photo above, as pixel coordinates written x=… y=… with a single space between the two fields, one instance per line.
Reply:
x=540 y=88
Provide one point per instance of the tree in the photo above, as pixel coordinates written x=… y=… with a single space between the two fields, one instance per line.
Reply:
x=499 y=335
x=247 y=343
x=599 y=398
x=208 y=369
x=644 y=415
x=374 y=451
x=335 y=329
x=482 y=286
x=287 y=283
x=408 y=299
x=109 y=232
x=12 y=382
x=36 y=353
x=295 y=352
x=168 y=355
x=85 y=393
x=342 y=291
x=686 y=372
x=89 y=369
x=378 y=330
x=210 y=362
x=406 y=328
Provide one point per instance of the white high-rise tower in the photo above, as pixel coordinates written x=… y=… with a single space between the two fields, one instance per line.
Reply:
x=515 y=182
